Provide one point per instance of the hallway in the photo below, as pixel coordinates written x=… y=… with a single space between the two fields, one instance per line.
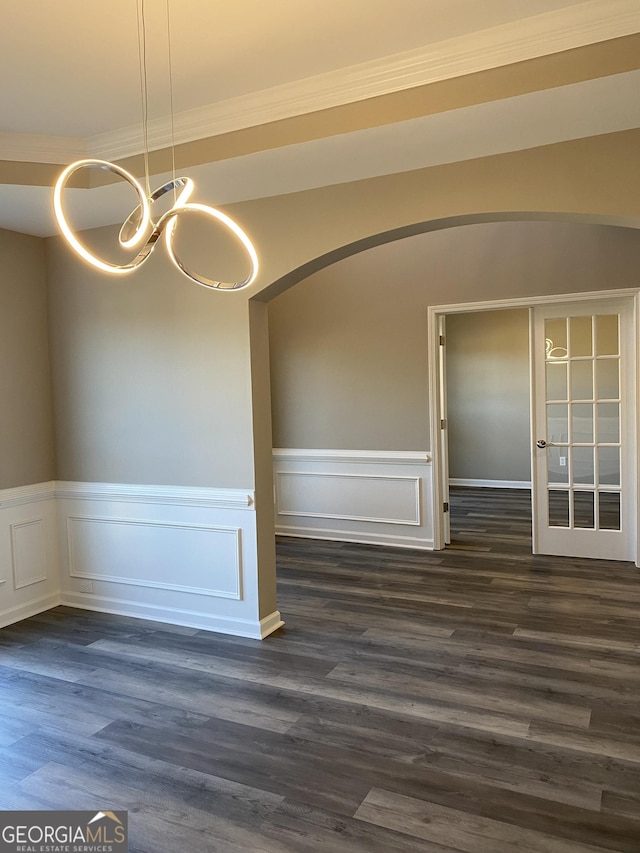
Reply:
x=491 y=520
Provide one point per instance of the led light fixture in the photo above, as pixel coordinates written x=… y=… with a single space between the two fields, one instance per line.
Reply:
x=140 y=229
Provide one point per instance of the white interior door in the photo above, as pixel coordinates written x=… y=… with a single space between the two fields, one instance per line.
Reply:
x=583 y=418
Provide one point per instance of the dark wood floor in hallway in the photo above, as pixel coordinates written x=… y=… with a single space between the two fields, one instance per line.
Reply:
x=478 y=699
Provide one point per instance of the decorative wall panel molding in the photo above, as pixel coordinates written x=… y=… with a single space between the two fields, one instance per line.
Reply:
x=28 y=552
x=187 y=556
x=350 y=497
x=29 y=566
x=199 y=559
x=380 y=497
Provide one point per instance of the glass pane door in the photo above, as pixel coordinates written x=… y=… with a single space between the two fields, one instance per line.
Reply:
x=582 y=391
x=581 y=377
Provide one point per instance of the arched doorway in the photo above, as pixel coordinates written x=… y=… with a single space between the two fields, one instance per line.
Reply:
x=563 y=247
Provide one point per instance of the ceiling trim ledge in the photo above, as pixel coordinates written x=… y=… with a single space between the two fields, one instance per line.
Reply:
x=540 y=35
x=39 y=148
x=553 y=32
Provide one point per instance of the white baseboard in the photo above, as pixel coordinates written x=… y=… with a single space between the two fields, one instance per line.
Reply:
x=490 y=484
x=390 y=540
x=31 y=608
x=171 y=615
x=270 y=624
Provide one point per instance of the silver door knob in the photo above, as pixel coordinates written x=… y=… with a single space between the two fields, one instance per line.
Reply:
x=541 y=443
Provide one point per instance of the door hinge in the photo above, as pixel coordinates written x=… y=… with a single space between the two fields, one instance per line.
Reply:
x=445 y=506
x=441 y=340
x=443 y=423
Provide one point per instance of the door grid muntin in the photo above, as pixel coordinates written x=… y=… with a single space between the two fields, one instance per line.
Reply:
x=583 y=413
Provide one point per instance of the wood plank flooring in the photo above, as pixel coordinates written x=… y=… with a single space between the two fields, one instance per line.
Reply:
x=478 y=699
x=495 y=520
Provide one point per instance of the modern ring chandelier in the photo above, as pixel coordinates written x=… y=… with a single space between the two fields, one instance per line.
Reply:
x=140 y=229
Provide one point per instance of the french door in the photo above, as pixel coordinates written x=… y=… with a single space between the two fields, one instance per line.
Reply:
x=583 y=419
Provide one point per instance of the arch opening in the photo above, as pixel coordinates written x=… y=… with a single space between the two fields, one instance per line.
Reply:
x=338 y=417
x=300 y=273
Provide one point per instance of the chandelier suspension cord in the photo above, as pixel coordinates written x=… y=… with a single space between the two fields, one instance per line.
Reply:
x=144 y=95
x=173 y=133
x=140 y=229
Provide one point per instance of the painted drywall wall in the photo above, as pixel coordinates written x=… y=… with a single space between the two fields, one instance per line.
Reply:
x=160 y=382
x=488 y=395
x=26 y=424
x=349 y=344
x=152 y=375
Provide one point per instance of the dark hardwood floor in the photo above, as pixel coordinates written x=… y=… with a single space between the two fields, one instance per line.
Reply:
x=478 y=699
x=491 y=520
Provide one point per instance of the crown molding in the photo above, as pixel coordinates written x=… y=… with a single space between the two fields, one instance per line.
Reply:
x=38 y=148
x=553 y=32
x=529 y=38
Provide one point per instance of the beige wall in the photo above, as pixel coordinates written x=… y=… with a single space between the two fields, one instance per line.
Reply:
x=349 y=344
x=488 y=395
x=152 y=375
x=26 y=434
x=158 y=381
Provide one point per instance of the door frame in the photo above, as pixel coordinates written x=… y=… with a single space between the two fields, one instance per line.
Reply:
x=436 y=415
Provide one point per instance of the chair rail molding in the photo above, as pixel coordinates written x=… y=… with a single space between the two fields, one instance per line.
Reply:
x=182 y=495
x=27 y=494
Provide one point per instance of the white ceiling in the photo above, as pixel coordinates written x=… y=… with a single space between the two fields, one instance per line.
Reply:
x=71 y=71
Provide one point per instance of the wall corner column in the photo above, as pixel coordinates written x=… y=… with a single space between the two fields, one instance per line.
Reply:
x=268 y=613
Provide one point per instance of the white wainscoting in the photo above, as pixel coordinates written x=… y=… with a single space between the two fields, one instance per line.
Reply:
x=376 y=497
x=92 y=543
x=180 y=555
x=29 y=570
